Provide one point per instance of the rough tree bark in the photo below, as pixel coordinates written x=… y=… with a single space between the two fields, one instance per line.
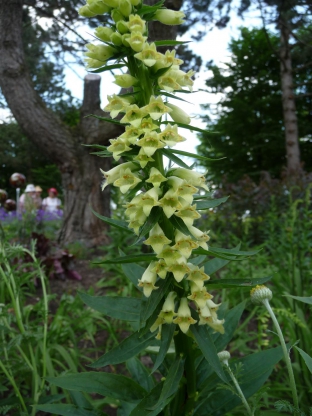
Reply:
x=288 y=101
x=81 y=176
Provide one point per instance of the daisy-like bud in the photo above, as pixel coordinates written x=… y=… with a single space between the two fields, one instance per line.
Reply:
x=169 y=17
x=134 y=115
x=201 y=237
x=178 y=115
x=98 y=6
x=116 y=15
x=103 y=33
x=161 y=268
x=125 y=7
x=170 y=203
x=167 y=60
x=147 y=125
x=117 y=147
x=100 y=52
x=157 y=239
x=86 y=12
x=260 y=293
x=171 y=256
x=199 y=295
x=122 y=27
x=184 y=244
x=171 y=136
x=224 y=357
x=156 y=178
x=197 y=275
x=117 y=104
x=125 y=80
x=148 y=280
x=156 y=108
x=148 y=55
x=136 y=23
x=179 y=270
x=184 y=318
x=127 y=181
x=192 y=177
x=143 y=159
x=150 y=143
x=112 y=175
x=188 y=215
x=168 y=82
x=137 y=41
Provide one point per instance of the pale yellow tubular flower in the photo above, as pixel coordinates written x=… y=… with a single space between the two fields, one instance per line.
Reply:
x=131 y=134
x=184 y=79
x=136 y=23
x=186 y=192
x=125 y=7
x=125 y=80
x=86 y=12
x=170 y=203
x=188 y=215
x=147 y=124
x=123 y=27
x=161 y=268
x=117 y=147
x=149 y=200
x=197 y=275
x=148 y=280
x=184 y=244
x=93 y=63
x=184 y=318
x=117 y=104
x=116 y=39
x=103 y=33
x=200 y=236
x=111 y=3
x=127 y=181
x=136 y=225
x=133 y=115
x=98 y=6
x=166 y=314
x=116 y=15
x=168 y=60
x=100 y=52
x=168 y=82
x=192 y=177
x=135 y=212
x=148 y=55
x=179 y=270
x=137 y=41
x=156 y=108
x=157 y=239
x=171 y=256
x=150 y=143
x=170 y=136
x=112 y=175
x=156 y=178
x=143 y=159
x=199 y=295
x=178 y=115
x=169 y=17
x=208 y=315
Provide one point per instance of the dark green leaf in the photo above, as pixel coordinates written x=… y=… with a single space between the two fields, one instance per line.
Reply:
x=148 y=402
x=303 y=299
x=128 y=259
x=175 y=159
x=107 y=68
x=208 y=349
x=167 y=94
x=192 y=155
x=68 y=410
x=178 y=223
x=105 y=384
x=306 y=357
x=128 y=348
x=150 y=9
x=133 y=272
x=170 y=42
x=188 y=127
x=123 y=225
x=166 y=338
x=150 y=305
x=214 y=265
x=228 y=283
x=210 y=204
x=125 y=309
x=152 y=219
x=140 y=373
x=229 y=252
x=197 y=260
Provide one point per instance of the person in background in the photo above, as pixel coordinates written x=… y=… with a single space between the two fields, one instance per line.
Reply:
x=38 y=200
x=51 y=203
x=27 y=199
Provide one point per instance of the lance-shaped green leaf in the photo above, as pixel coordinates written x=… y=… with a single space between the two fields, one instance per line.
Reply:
x=214 y=265
x=170 y=42
x=128 y=259
x=304 y=299
x=226 y=251
x=208 y=348
x=200 y=205
x=68 y=410
x=152 y=219
x=167 y=94
x=117 y=307
x=178 y=223
x=192 y=155
x=166 y=338
x=122 y=225
x=228 y=283
x=133 y=272
x=107 y=68
x=173 y=158
x=105 y=384
x=152 y=302
x=128 y=348
x=306 y=357
x=188 y=127
x=108 y=120
x=197 y=260
x=140 y=373
x=171 y=384
x=150 y=9
x=142 y=408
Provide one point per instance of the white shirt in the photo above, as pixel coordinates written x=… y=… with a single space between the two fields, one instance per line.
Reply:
x=51 y=204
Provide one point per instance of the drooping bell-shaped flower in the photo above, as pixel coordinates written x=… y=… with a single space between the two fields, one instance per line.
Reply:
x=131 y=134
x=148 y=280
x=133 y=115
x=197 y=275
x=184 y=318
x=192 y=177
x=103 y=33
x=200 y=236
x=148 y=125
x=156 y=178
x=136 y=41
x=150 y=143
x=125 y=80
x=143 y=159
x=184 y=79
x=168 y=82
x=136 y=23
x=188 y=215
x=184 y=244
x=179 y=270
x=148 y=55
x=171 y=136
x=208 y=315
x=86 y=12
x=178 y=115
x=98 y=6
x=199 y=295
x=157 y=239
x=112 y=175
x=149 y=200
x=100 y=52
x=125 y=7
x=117 y=147
x=166 y=314
x=161 y=268
x=169 y=17
x=111 y=3
x=171 y=256
x=170 y=203
x=156 y=108
x=127 y=181
x=168 y=60
x=117 y=104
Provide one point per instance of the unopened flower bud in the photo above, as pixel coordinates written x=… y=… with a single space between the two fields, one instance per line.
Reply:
x=169 y=17
x=98 y=6
x=125 y=7
x=224 y=356
x=178 y=115
x=260 y=293
x=103 y=33
x=86 y=12
x=125 y=80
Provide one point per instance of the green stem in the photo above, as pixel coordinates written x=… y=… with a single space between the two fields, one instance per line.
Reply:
x=239 y=391
x=285 y=351
x=16 y=389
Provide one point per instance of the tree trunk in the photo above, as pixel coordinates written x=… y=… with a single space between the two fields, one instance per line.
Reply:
x=288 y=100
x=80 y=171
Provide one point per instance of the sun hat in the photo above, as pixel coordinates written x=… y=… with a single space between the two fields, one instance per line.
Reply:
x=38 y=189
x=30 y=188
x=53 y=190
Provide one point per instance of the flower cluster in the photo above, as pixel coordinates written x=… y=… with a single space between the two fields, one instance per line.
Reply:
x=171 y=191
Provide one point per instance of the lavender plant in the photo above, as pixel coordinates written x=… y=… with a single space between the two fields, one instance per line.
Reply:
x=176 y=315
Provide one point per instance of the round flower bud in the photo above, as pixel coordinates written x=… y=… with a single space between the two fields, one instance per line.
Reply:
x=224 y=356
x=260 y=293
